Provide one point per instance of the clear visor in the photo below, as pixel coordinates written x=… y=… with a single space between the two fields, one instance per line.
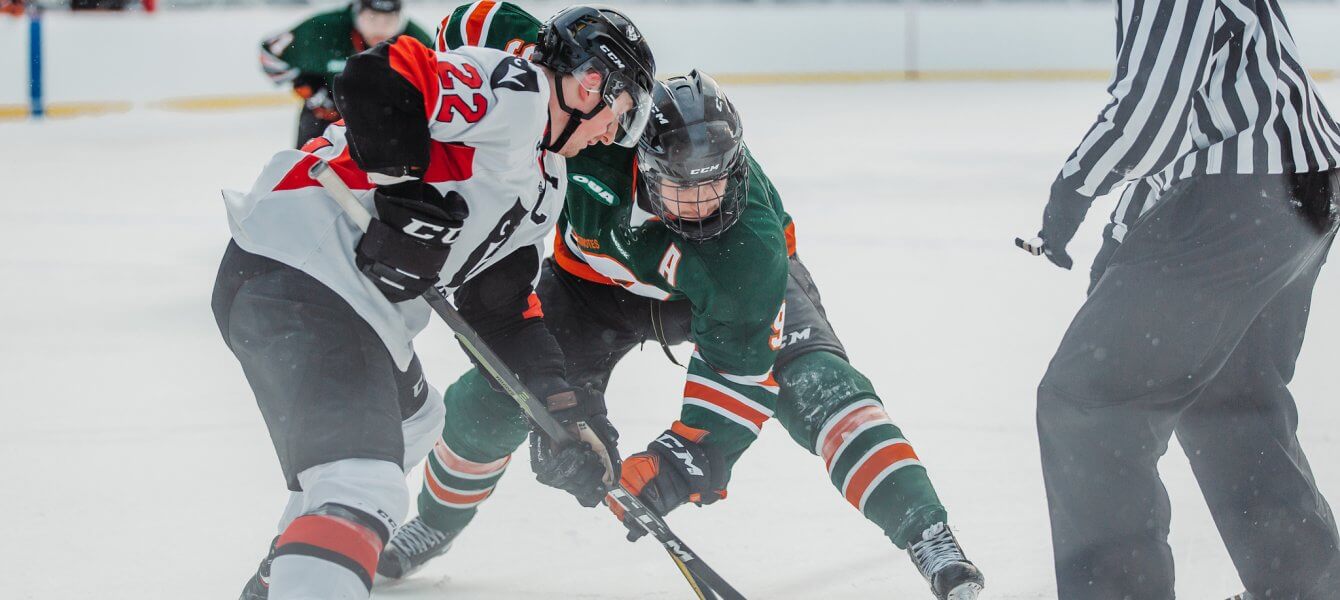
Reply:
x=630 y=103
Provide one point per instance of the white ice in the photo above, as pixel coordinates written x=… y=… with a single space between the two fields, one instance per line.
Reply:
x=135 y=463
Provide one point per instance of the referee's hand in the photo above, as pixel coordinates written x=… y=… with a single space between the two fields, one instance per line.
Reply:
x=1065 y=211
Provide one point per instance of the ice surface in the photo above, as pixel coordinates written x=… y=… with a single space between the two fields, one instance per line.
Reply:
x=136 y=464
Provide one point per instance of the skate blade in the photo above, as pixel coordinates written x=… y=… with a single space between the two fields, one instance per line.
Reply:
x=966 y=591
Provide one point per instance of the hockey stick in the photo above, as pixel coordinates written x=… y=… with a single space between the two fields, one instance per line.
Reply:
x=706 y=583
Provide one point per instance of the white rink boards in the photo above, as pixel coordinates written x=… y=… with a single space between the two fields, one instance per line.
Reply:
x=137 y=465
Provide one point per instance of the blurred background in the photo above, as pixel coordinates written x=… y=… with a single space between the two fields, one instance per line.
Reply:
x=201 y=54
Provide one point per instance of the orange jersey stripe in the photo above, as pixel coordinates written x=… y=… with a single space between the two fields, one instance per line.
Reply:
x=866 y=472
x=474 y=25
x=442 y=34
x=697 y=390
x=574 y=266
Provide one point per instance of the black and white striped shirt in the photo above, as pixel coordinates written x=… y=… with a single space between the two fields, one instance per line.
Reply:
x=1202 y=87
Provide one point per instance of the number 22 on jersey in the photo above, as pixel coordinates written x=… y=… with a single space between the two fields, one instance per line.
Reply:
x=453 y=97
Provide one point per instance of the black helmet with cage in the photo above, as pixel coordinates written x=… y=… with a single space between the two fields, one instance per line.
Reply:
x=583 y=39
x=692 y=158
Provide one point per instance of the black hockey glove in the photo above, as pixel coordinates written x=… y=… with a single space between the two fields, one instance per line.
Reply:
x=586 y=469
x=406 y=245
x=1060 y=220
x=676 y=468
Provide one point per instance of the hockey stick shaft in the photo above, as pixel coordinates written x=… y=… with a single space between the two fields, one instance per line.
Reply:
x=700 y=576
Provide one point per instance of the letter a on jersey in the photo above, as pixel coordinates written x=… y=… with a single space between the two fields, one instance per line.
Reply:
x=670 y=265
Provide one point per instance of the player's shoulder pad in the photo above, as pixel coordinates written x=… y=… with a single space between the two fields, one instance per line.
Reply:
x=516 y=74
x=489 y=23
x=504 y=71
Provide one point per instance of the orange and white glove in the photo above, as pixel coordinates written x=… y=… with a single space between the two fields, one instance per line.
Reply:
x=676 y=468
x=317 y=97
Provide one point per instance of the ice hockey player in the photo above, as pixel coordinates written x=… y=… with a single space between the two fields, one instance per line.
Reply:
x=460 y=156
x=686 y=239
x=309 y=56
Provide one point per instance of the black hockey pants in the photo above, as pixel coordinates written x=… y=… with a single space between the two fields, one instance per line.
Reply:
x=309 y=126
x=1194 y=328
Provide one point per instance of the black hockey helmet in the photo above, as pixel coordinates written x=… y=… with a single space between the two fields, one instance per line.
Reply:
x=381 y=6
x=583 y=39
x=692 y=158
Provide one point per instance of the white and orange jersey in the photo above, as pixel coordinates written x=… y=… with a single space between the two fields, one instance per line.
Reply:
x=487 y=112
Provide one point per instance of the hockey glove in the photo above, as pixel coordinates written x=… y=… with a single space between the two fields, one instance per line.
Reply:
x=1060 y=220
x=316 y=97
x=587 y=468
x=406 y=245
x=676 y=468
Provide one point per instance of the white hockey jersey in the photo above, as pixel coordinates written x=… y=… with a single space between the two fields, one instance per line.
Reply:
x=487 y=112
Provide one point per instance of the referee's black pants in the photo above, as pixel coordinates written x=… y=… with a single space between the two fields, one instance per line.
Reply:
x=1194 y=328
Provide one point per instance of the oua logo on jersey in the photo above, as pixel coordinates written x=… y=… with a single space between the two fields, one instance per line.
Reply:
x=596 y=188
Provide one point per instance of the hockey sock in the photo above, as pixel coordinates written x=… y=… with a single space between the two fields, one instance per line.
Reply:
x=830 y=407
x=330 y=552
x=453 y=486
x=483 y=428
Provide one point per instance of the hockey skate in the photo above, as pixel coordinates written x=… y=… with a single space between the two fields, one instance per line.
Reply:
x=258 y=587
x=940 y=560
x=411 y=547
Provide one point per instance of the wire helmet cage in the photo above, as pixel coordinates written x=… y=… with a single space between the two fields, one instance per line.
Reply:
x=692 y=159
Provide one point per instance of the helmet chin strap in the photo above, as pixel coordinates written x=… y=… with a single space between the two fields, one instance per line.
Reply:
x=575 y=117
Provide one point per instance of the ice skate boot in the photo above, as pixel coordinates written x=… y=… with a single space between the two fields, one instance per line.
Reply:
x=413 y=544
x=1243 y=596
x=258 y=587
x=940 y=559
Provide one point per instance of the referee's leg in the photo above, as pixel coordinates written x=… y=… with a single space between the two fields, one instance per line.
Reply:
x=1179 y=295
x=1241 y=438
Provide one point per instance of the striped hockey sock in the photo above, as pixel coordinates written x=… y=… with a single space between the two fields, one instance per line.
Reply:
x=877 y=471
x=453 y=486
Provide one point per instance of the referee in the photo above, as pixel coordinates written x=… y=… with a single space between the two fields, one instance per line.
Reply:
x=1194 y=322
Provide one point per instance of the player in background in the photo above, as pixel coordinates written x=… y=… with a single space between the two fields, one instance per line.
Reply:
x=309 y=56
x=460 y=157
x=13 y=8
x=686 y=239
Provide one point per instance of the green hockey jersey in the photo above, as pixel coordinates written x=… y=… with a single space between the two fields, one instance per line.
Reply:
x=736 y=282
x=491 y=24
x=317 y=48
